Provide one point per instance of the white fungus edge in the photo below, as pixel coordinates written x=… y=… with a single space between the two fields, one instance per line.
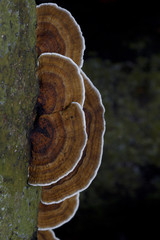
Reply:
x=65 y=221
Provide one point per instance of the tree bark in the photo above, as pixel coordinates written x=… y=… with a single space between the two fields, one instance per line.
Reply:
x=18 y=94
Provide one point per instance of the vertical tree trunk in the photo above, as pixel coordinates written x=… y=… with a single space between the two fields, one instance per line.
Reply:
x=18 y=93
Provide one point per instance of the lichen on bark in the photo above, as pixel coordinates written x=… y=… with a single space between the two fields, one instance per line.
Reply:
x=18 y=94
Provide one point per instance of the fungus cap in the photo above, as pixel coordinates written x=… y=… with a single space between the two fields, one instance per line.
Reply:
x=58 y=142
x=86 y=169
x=60 y=83
x=57 y=31
x=55 y=215
x=46 y=235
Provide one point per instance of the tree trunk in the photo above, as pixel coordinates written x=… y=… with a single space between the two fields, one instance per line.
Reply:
x=18 y=94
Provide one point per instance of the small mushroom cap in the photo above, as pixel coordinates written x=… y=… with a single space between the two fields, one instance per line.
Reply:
x=46 y=235
x=86 y=169
x=60 y=83
x=57 y=145
x=57 y=31
x=55 y=215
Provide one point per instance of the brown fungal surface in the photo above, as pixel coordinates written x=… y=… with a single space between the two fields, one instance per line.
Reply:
x=57 y=31
x=86 y=169
x=60 y=83
x=46 y=235
x=69 y=112
x=57 y=141
x=55 y=215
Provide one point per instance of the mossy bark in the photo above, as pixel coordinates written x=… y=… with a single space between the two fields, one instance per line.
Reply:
x=18 y=94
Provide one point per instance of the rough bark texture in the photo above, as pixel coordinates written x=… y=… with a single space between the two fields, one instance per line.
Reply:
x=18 y=93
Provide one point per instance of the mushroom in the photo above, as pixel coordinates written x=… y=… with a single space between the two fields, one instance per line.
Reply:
x=57 y=31
x=58 y=140
x=86 y=169
x=60 y=83
x=55 y=215
x=46 y=235
x=62 y=160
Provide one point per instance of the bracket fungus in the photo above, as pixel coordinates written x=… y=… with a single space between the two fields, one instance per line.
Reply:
x=60 y=83
x=55 y=215
x=86 y=169
x=57 y=141
x=67 y=139
x=57 y=31
x=46 y=235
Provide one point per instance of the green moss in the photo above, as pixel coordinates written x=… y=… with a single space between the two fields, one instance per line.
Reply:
x=18 y=93
x=10 y=26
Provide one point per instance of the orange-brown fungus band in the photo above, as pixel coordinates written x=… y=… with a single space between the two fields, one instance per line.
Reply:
x=60 y=83
x=55 y=215
x=57 y=145
x=57 y=31
x=86 y=169
x=46 y=235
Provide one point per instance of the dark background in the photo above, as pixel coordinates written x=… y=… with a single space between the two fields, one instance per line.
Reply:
x=109 y=25
x=122 y=58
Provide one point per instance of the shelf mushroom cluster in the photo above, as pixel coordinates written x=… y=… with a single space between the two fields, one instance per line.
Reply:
x=67 y=139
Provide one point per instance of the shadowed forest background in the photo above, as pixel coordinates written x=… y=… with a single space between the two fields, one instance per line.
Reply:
x=122 y=58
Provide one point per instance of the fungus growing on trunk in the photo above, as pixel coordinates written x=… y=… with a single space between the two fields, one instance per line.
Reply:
x=67 y=139
x=57 y=141
x=55 y=215
x=60 y=83
x=46 y=235
x=57 y=31
x=86 y=169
